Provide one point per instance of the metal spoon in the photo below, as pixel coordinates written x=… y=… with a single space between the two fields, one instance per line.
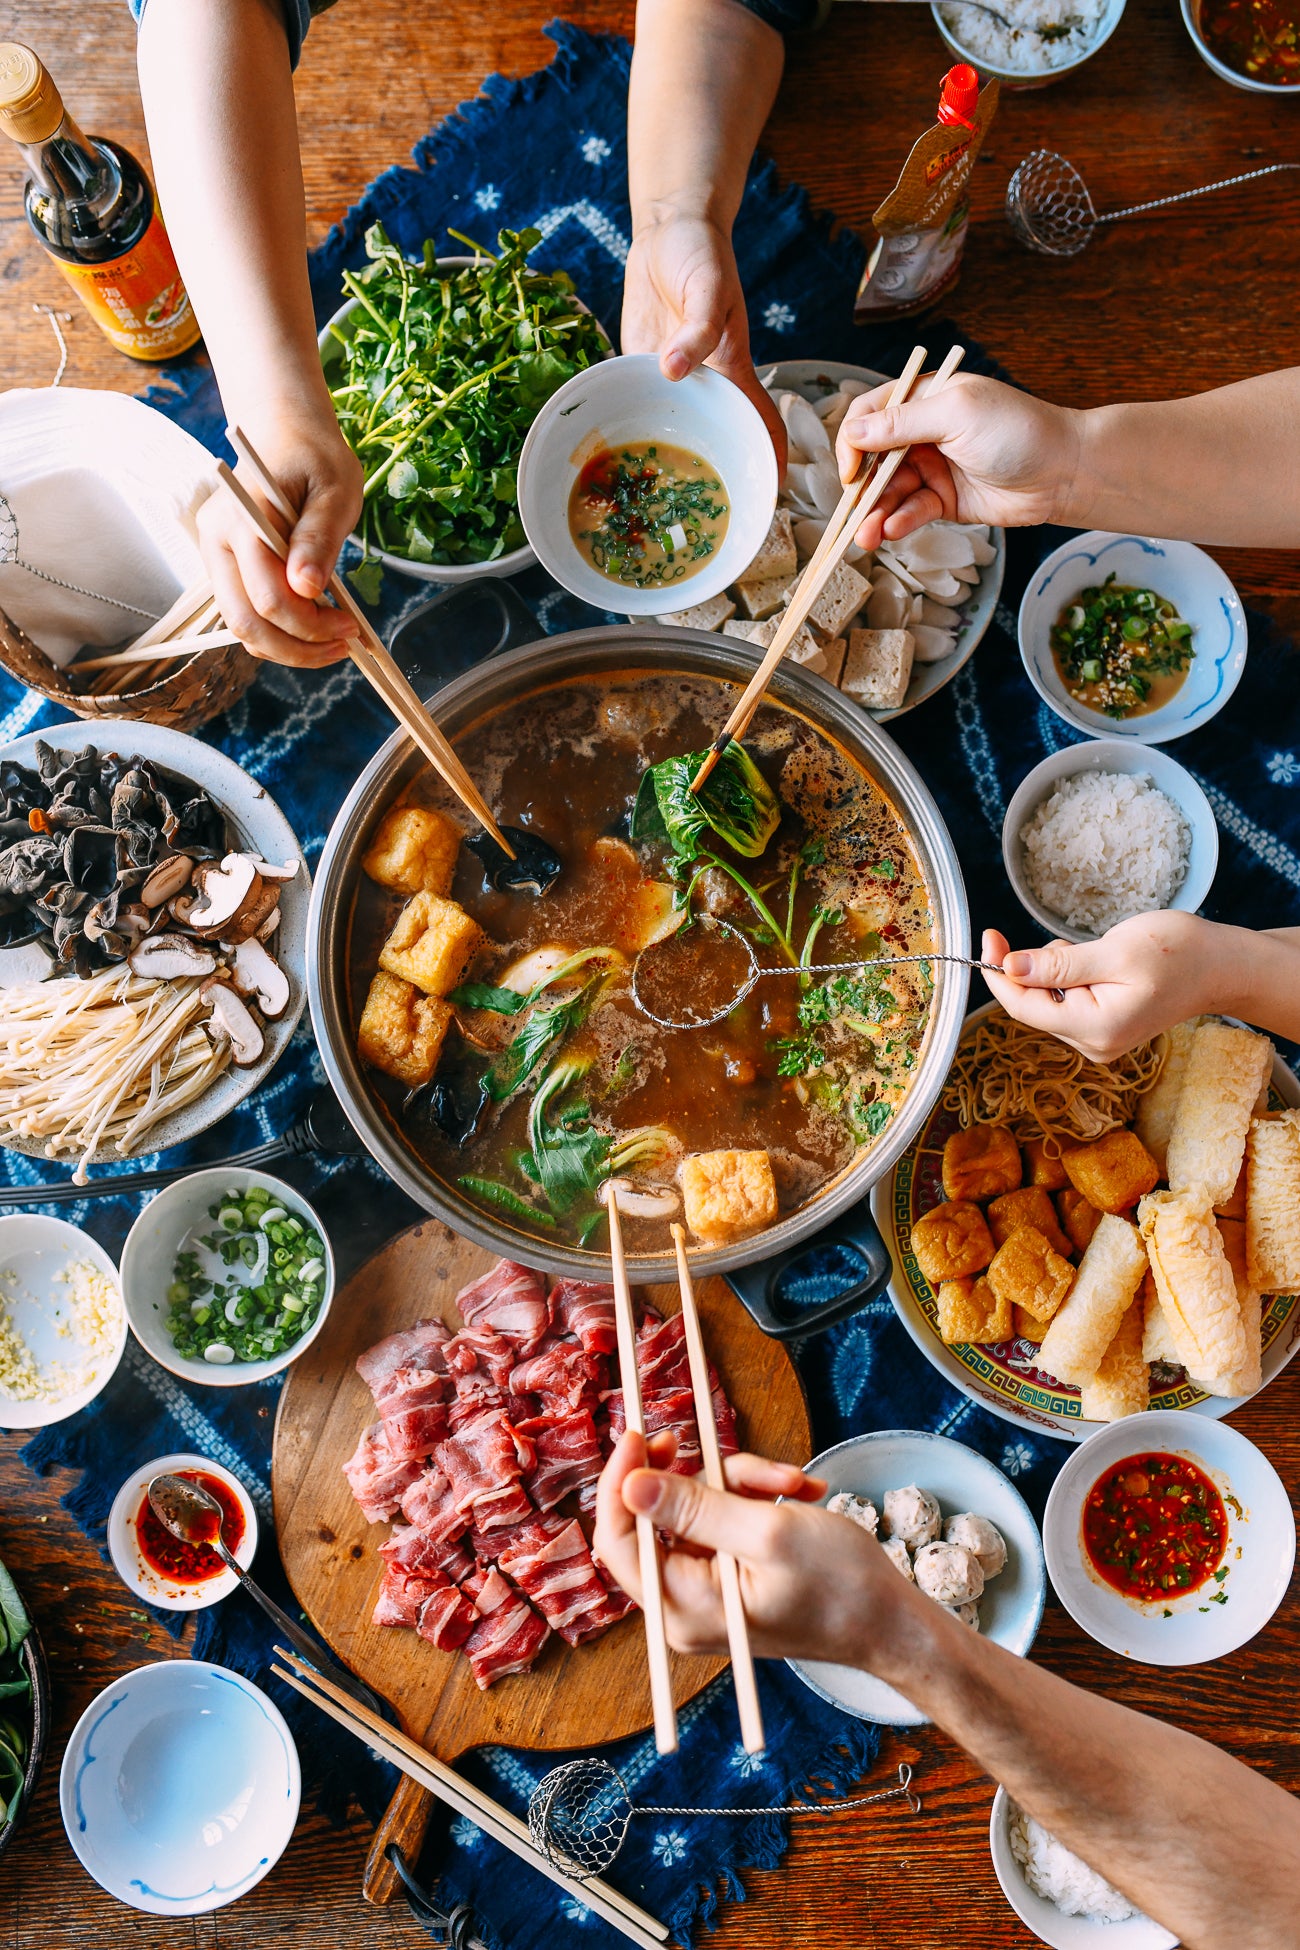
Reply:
x=193 y=1515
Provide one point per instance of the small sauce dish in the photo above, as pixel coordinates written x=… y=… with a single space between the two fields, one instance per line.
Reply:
x=142 y=1570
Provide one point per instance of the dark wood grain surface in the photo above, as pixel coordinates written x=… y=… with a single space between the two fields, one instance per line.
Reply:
x=1165 y=305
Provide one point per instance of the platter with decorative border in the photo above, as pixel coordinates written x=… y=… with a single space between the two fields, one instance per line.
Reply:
x=1003 y=1378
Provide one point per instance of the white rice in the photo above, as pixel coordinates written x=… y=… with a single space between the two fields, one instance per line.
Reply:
x=1025 y=51
x=1059 y=1877
x=1104 y=846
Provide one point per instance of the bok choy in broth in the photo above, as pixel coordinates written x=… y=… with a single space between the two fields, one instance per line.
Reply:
x=548 y=1078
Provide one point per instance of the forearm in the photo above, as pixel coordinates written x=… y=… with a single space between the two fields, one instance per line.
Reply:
x=1222 y=467
x=704 y=77
x=1266 y=987
x=218 y=95
x=1199 y=1841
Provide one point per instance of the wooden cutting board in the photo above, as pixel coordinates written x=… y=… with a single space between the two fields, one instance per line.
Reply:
x=574 y=1696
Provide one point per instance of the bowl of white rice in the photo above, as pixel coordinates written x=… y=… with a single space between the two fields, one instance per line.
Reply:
x=1064 y=1902
x=1105 y=830
x=1046 y=38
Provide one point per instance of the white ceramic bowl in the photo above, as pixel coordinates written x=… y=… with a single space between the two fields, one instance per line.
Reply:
x=629 y=399
x=1189 y=578
x=149 y=1257
x=137 y=1574
x=1012 y=1604
x=1191 y=10
x=1260 y=1554
x=260 y=826
x=1111 y=755
x=504 y=565
x=34 y=1251
x=1050 y=1924
x=1029 y=77
x=179 y=1788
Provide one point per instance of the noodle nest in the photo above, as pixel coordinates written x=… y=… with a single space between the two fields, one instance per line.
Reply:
x=1007 y=1073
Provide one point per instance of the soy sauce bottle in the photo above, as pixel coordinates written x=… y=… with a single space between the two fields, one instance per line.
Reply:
x=93 y=208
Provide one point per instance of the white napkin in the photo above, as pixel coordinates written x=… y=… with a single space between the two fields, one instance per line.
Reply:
x=103 y=492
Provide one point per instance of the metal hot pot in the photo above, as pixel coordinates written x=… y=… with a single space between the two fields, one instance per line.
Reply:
x=479 y=647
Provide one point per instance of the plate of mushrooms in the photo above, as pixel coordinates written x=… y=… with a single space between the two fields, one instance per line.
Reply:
x=153 y=912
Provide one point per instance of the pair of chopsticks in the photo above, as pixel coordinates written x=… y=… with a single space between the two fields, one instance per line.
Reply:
x=371 y=656
x=652 y=1602
x=432 y=1774
x=856 y=502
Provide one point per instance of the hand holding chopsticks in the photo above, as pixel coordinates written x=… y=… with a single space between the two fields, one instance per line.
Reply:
x=857 y=500
x=371 y=656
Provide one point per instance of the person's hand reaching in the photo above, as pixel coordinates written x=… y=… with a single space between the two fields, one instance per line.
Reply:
x=273 y=606
x=1139 y=979
x=814 y=1585
x=682 y=300
x=981 y=452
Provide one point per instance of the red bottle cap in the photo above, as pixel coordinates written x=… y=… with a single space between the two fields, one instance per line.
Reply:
x=958 y=97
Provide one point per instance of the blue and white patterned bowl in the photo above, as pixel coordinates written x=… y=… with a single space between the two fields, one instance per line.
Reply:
x=1179 y=571
x=180 y=1787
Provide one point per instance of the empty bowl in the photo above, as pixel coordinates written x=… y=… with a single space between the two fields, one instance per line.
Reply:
x=1110 y=755
x=169 y=1220
x=1182 y=573
x=626 y=401
x=1184 y=1628
x=961 y=1479
x=180 y=1787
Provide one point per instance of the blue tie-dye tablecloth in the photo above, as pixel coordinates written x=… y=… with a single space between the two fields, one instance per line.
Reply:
x=550 y=150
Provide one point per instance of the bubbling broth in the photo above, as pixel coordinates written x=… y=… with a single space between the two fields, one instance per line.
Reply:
x=648 y=514
x=549 y=1077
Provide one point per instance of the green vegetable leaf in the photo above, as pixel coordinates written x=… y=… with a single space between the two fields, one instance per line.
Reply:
x=736 y=802
x=368 y=580
x=885 y=870
x=544 y=1029
x=13 y=1612
x=403 y=480
x=482 y=995
x=494 y=1193
x=647 y=822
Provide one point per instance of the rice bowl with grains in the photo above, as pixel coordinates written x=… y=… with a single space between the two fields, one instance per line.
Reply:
x=1061 y=1877
x=1044 y=37
x=1104 y=846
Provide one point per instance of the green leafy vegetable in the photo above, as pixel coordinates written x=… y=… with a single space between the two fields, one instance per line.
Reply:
x=492 y=1192
x=441 y=376
x=15 y=1727
x=13 y=1613
x=736 y=802
x=481 y=995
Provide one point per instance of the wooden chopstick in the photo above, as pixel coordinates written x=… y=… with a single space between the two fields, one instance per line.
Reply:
x=652 y=1590
x=187 y=605
x=733 y=1606
x=395 y=1746
x=381 y=670
x=865 y=491
x=164 y=652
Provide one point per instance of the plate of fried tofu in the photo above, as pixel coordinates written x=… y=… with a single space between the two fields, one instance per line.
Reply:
x=1069 y=1285
x=889 y=629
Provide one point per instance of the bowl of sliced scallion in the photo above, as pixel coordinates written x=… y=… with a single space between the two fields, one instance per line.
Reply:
x=227 y=1276
x=437 y=369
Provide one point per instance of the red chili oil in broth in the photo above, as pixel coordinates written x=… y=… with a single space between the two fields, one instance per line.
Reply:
x=1154 y=1526
x=189 y=1563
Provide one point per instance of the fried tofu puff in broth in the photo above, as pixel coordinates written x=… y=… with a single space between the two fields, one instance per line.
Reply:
x=550 y=1077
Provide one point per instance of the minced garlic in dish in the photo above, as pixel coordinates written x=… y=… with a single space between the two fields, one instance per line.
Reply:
x=88 y=1317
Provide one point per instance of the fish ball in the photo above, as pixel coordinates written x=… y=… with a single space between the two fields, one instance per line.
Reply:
x=982 y=1539
x=896 y=1551
x=858 y=1509
x=948 y=1573
x=912 y=1514
x=969 y=1614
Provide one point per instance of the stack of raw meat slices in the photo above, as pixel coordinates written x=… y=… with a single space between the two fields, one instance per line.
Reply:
x=483 y=1435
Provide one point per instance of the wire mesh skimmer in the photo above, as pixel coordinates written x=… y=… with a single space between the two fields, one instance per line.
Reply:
x=1051 y=211
x=686 y=964
x=579 y=1813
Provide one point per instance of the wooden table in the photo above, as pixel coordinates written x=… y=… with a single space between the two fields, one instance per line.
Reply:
x=1153 y=308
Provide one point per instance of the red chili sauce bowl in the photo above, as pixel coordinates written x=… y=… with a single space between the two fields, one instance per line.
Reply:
x=180 y=1562
x=1155 y=1527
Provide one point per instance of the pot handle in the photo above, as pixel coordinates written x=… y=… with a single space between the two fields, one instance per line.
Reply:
x=460 y=627
x=759 y=1287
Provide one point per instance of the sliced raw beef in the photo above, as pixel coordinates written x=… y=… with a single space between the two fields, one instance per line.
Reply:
x=583 y=1308
x=587 y=1499
x=416 y=1432
x=500 y=1509
x=511 y=1300
x=447 y=1618
x=568 y=1455
x=419 y=1346
x=479 y=1351
x=377 y=1478
x=562 y=1581
x=675 y=1410
x=483 y=1457
x=430 y=1505
x=724 y=1416
x=508 y=1635
x=562 y=1375
x=410 y=1388
x=661 y=1358
x=534 y=1531
x=415 y=1551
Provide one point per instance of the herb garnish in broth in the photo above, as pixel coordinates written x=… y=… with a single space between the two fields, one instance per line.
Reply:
x=647 y=513
x=1121 y=650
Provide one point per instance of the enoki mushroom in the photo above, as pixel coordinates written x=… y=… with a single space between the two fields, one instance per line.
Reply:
x=86 y=1065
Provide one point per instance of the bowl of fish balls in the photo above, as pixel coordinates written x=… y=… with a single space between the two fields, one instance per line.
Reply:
x=951 y=1523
